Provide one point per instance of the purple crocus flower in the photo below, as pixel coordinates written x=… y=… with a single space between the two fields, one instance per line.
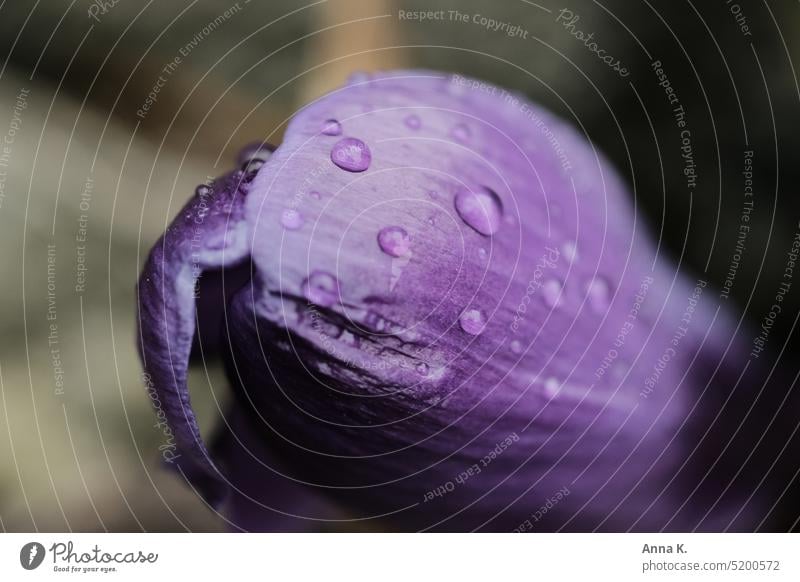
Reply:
x=439 y=310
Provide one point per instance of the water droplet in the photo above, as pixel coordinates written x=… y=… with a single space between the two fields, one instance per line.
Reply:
x=460 y=132
x=516 y=347
x=359 y=77
x=413 y=122
x=599 y=293
x=482 y=253
x=422 y=369
x=351 y=154
x=203 y=190
x=472 y=321
x=552 y=386
x=251 y=167
x=551 y=292
x=394 y=241
x=321 y=288
x=257 y=150
x=331 y=127
x=570 y=251
x=480 y=208
x=291 y=219
x=315 y=195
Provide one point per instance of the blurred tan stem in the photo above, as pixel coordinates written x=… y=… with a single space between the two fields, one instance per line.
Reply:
x=358 y=37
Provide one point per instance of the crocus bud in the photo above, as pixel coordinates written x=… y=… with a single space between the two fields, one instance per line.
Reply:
x=453 y=319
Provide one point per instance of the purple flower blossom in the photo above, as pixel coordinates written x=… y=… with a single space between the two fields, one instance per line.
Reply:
x=440 y=310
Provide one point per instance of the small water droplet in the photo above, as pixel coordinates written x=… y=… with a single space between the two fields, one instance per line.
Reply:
x=315 y=195
x=551 y=292
x=257 y=150
x=472 y=321
x=321 y=288
x=599 y=293
x=422 y=369
x=351 y=154
x=482 y=253
x=552 y=386
x=413 y=122
x=359 y=77
x=460 y=132
x=480 y=208
x=331 y=127
x=394 y=241
x=570 y=251
x=291 y=219
x=251 y=167
x=202 y=190
x=516 y=347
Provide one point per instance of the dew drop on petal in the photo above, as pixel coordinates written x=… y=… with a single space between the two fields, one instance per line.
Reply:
x=481 y=209
x=599 y=294
x=570 y=251
x=394 y=241
x=321 y=288
x=291 y=219
x=413 y=122
x=251 y=167
x=460 y=132
x=472 y=321
x=359 y=77
x=259 y=150
x=331 y=127
x=552 y=386
x=551 y=292
x=351 y=154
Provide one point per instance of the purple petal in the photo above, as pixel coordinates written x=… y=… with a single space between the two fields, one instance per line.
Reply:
x=209 y=233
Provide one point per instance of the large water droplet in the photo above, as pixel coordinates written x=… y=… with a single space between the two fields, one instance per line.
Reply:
x=472 y=321
x=551 y=292
x=351 y=154
x=331 y=127
x=460 y=132
x=480 y=208
x=394 y=241
x=599 y=293
x=291 y=219
x=413 y=122
x=321 y=288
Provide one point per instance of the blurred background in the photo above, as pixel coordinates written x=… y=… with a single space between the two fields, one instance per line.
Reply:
x=92 y=170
